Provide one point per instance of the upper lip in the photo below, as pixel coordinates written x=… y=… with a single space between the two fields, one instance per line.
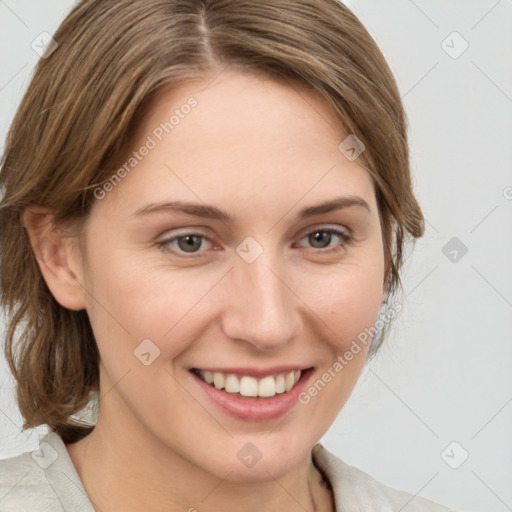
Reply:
x=254 y=372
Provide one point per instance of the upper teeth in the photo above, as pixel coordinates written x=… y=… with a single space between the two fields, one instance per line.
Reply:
x=250 y=386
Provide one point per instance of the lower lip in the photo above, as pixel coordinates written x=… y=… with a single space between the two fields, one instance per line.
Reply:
x=255 y=409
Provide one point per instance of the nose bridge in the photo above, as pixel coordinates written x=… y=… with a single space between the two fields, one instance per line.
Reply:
x=261 y=309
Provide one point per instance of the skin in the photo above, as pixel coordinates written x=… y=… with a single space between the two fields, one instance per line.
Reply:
x=262 y=151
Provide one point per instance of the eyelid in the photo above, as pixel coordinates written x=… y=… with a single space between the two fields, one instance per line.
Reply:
x=325 y=227
x=175 y=233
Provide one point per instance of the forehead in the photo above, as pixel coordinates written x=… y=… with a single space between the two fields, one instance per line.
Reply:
x=238 y=137
x=231 y=95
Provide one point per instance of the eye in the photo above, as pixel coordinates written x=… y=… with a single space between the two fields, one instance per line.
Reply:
x=323 y=238
x=188 y=243
x=194 y=244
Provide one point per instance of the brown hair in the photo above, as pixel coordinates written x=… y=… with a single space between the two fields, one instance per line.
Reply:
x=75 y=121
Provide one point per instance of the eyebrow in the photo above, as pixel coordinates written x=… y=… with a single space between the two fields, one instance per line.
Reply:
x=214 y=213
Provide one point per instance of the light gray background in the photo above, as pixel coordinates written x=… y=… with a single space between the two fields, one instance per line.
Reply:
x=445 y=373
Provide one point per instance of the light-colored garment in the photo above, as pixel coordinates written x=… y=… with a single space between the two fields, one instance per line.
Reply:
x=45 y=480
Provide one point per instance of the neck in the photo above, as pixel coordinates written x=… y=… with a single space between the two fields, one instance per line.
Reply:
x=127 y=469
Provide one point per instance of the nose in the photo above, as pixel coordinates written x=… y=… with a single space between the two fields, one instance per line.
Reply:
x=260 y=307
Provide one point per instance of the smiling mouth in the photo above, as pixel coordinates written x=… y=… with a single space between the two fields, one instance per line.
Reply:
x=248 y=386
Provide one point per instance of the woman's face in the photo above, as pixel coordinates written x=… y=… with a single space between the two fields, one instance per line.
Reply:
x=222 y=248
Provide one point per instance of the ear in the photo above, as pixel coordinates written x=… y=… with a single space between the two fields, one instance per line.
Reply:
x=58 y=258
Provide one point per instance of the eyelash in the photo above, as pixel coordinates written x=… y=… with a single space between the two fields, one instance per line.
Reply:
x=346 y=240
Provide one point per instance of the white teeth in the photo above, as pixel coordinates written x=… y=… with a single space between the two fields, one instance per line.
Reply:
x=267 y=387
x=218 y=380
x=289 y=381
x=280 y=384
x=250 y=386
x=232 y=385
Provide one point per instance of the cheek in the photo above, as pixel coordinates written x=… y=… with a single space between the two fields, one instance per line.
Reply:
x=131 y=300
x=357 y=305
x=347 y=298
x=133 y=297
x=348 y=305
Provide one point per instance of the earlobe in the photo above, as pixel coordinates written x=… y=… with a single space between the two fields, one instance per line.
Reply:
x=57 y=258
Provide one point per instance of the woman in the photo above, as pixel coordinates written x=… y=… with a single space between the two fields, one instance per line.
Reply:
x=205 y=207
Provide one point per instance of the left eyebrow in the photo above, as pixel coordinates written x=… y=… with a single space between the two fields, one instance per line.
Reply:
x=334 y=204
x=212 y=212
